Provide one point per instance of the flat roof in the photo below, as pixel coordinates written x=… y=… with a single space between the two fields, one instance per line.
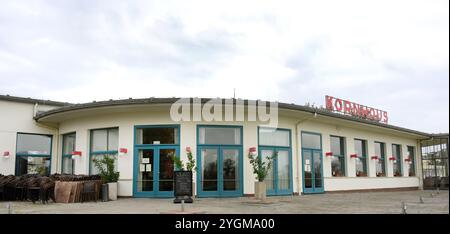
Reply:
x=286 y=106
x=32 y=100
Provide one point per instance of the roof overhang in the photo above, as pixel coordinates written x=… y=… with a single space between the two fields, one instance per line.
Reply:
x=163 y=104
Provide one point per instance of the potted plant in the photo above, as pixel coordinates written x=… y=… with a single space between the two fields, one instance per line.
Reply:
x=190 y=165
x=108 y=174
x=260 y=169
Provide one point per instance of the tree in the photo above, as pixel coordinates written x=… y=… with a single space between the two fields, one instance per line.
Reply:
x=260 y=169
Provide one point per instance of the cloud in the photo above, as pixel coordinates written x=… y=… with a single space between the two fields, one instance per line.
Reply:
x=390 y=55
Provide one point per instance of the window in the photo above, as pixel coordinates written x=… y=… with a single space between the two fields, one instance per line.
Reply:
x=274 y=137
x=412 y=158
x=338 y=158
x=68 y=148
x=220 y=160
x=361 y=160
x=33 y=144
x=103 y=142
x=276 y=142
x=157 y=135
x=311 y=141
x=219 y=135
x=380 y=152
x=33 y=154
x=396 y=152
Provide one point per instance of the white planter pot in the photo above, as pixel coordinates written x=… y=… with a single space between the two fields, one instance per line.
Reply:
x=112 y=191
x=260 y=190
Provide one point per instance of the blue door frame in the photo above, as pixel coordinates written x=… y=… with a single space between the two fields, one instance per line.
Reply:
x=314 y=188
x=277 y=191
x=220 y=191
x=155 y=193
x=156 y=149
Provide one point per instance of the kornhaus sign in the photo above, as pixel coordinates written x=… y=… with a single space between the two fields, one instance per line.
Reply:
x=350 y=108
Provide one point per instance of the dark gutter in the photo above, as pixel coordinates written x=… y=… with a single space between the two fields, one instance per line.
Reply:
x=32 y=100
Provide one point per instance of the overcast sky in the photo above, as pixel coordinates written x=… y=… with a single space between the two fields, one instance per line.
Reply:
x=392 y=55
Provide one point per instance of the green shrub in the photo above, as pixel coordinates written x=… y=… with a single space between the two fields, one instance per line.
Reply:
x=260 y=169
x=106 y=168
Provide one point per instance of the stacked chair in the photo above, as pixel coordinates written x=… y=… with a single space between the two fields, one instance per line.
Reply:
x=35 y=187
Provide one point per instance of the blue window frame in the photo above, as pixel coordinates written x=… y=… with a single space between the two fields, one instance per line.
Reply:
x=397 y=153
x=380 y=152
x=277 y=141
x=312 y=162
x=33 y=153
x=412 y=157
x=361 y=160
x=68 y=146
x=337 y=146
x=103 y=142
x=219 y=161
x=153 y=167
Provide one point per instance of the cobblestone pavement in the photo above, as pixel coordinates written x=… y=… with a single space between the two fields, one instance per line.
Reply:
x=340 y=203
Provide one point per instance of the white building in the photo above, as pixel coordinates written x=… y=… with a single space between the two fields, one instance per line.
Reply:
x=317 y=150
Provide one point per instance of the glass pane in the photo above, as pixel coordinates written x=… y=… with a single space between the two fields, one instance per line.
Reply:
x=317 y=170
x=34 y=165
x=379 y=150
x=219 y=136
x=269 y=180
x=99 y=140
x=209 y=169
x=307 y=163
x=311 y=141
x=166 y=168
x=67 y=165
x=412 y=166
x=337 y=145
x=94 y=169
x=361 y=167
x=283 y=168
x=157 y=135
x=274 y=137
x=381 y=168
x=360 y=148
x=146 y=168
x=396 y=152
x=113 y=139
x=337 y=166
x=33 y=144
x=230 y=170
x=69 y=143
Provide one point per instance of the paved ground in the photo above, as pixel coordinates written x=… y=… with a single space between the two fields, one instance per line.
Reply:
x=374 y=202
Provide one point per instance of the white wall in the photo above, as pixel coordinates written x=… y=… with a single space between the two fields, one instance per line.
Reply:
x=127 y=121
x=343 y=184
x=18 y=117
x=351 y=182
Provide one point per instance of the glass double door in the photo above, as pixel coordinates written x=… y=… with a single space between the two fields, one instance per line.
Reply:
x=154 y=171
x=219 y=171
x=312 y=171
x=278 y=179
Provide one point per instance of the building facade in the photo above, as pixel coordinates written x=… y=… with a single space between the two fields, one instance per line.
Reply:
x=314 y=150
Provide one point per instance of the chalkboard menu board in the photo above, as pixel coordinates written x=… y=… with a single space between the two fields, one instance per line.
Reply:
x=183 y=183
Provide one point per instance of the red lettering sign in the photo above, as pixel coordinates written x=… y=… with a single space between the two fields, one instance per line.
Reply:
x=350 y=108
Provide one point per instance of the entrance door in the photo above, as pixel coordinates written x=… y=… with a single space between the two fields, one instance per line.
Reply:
x=312 y=171
x=219 y=171
x=154 y=170
x=278 y=179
